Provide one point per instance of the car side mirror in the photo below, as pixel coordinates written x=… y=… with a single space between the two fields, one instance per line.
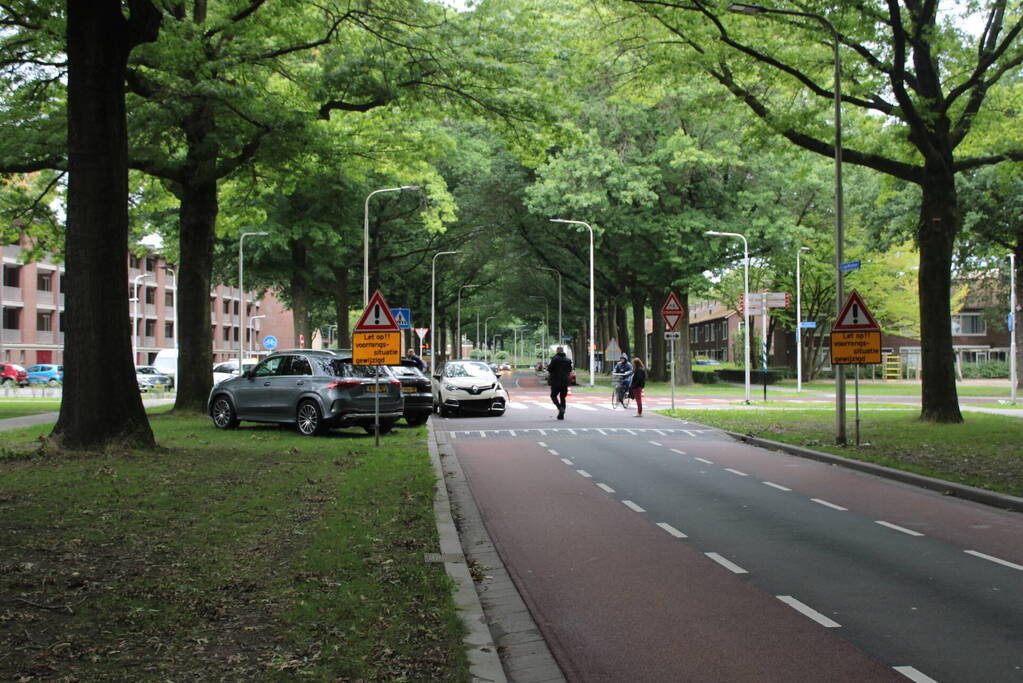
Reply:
x=247 y=373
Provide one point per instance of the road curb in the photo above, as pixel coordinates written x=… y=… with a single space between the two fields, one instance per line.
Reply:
x=484 y=663
x=948 y=488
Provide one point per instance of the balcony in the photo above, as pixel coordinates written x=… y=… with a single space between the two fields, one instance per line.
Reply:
x=11 y=336
x=12 y=295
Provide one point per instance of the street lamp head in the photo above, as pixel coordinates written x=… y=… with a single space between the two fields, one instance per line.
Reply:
x=746 y=8
x=804 y=249
x=409 y=188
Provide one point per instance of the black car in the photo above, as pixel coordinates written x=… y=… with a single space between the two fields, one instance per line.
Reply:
x=417 y=390
x=314 y=390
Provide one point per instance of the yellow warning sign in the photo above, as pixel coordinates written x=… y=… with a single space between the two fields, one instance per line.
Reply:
x=376 y=348
x=855 y=348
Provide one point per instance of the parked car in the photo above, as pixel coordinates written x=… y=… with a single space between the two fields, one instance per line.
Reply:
x=45 y=373
x=229 y=369
x=495 y=368
x=417 y=390
x=506 y=366
x=11 y=373
x=149 y=378
x=465 y=386
x=314 y=390
x=166 y=362
x=707 y=361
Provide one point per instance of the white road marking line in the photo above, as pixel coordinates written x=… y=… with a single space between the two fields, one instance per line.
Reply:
x=572 y=432
x=990 y=558
x=807 y=611
x=830 y=505
x=511 y=432
x=483 y=434
x=776 y=486
x=542 y=432
x=630 y=431
x=632 y=506
x=659 y=431
x=583 y=406
x=454 y=434
x=655 y=443
x=605 y=407
x=585 y=474
x=899 y=528
x=727 y=564
x=675 y=450
x=552 y=451
x=704 y=461
x=602 y=432
x=541 y=444
x=566 y=461
x=671 y=530
x=914 y=675
x=517 y=406
x=605 y=487
x=741 y=474
x=690 y=432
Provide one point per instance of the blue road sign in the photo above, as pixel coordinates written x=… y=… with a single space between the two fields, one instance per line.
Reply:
x=808 y=324
x=1011 y=321
x=850 y=265
x=269 y=342
x=402 y=316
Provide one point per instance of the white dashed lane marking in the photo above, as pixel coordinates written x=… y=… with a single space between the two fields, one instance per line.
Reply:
x=632 y=506
x=996 y=560
x=808 y=611
x=671 y=530
x=829 y=505
x=896 y=527
x=726 y=563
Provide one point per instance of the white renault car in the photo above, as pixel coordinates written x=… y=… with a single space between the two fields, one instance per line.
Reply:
x=468 y=387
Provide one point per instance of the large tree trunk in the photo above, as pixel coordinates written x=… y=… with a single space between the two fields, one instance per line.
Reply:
x=639 y=324
x=939 y=222
x=685 y=358
x=342 y=302
x=658 y=365
x=101 y=400
x=198 y=217
x=622 y=331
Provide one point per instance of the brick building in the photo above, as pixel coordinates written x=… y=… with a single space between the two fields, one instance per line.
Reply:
x=32 y=301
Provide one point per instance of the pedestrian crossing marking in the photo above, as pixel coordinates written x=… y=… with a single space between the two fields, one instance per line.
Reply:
x=574 y=431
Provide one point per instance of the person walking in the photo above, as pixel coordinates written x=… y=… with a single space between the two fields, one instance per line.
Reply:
x=637 y=384
x=558 y=372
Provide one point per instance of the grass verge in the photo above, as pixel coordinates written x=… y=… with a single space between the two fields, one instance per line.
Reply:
x=20 y=408
x=255 y=554
x=985 y=451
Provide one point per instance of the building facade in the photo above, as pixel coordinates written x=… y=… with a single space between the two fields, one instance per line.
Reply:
x=33 y=329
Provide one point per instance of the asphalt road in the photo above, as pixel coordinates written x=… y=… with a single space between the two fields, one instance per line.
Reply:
x=650 y=549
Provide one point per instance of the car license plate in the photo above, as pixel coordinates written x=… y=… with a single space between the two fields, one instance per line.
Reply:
x=373 y=388
x=409 y=390
x=158 y=386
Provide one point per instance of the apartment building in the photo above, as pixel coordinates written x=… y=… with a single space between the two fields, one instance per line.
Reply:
x=32 y=304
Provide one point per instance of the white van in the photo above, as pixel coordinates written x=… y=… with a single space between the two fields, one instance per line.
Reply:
x=167 y=362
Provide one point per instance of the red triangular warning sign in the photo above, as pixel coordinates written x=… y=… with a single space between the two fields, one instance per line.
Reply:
x=672 y=304
x=377 y=316
x=855 y=317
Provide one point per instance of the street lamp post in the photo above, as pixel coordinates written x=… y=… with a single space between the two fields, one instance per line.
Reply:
x=799 y=324
x=252 y=336
x=433 y=303
x=593 y=331
x=561 y=334
x=1012 y=328
x=745 y=299
x=743 y=8
x=546 y=321
x=135 y=320
x=487 y=320
x=365 y=237
x=458 y=322
x=241 y=289
x=174 y=274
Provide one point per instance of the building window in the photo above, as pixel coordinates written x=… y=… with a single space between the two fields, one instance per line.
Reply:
x=711 y=329
x=968 y=324
x=133 y=261
x=692 y=335
x=150 y=295
x=227 y=333
x=150 y=327
x=44 y=321
x=236 y=308
x=168 y=330
x=12 y=276
x=236 y=334
x=63 y=279
x=724 y=330
x=44 y=282
x=227 y=307
x=150 y=264
x=12 y=318
x=168 y=299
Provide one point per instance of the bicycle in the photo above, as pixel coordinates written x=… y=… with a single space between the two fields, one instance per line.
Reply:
x=619 y=391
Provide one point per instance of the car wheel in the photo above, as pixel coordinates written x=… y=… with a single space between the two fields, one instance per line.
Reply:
x=309 y=419
x=223 y=413
x=8 y=382
x=52 y=382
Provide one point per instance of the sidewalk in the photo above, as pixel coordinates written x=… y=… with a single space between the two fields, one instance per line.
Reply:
x=48 y=418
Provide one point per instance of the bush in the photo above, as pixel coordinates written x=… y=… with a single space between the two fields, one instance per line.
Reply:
x=705 y=375
x=756 y=376
x=992 y=369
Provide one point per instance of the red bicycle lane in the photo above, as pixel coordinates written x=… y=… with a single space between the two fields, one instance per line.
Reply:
x=618 y=599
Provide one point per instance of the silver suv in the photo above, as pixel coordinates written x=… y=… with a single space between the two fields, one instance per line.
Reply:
x=314 y=390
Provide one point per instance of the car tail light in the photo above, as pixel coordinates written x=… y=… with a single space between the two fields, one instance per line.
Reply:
x=343 y=384
x=395 y=381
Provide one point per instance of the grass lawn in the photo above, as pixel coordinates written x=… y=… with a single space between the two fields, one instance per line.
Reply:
x=255 y=554
x=878 y=388
x=985 y=451
x=20 y=408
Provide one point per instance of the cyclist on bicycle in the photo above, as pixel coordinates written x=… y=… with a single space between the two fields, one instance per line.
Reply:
x=622 y=373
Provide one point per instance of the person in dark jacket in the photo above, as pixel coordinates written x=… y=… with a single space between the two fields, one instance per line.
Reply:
x=558 y=372
x=637 y=384
x=411 y=356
